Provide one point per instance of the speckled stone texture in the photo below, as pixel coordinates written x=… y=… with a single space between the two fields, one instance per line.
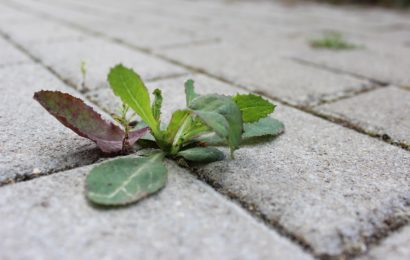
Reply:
x=384 y=111
x=32 y=141
x=327 y=185
x=394 y=247
x=267 y=73
x=186 y=220
x=9 y=55
x=99 y=56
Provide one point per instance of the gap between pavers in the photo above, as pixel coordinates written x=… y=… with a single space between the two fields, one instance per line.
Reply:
x=383 y=112
x=394 y=247
x=9 y=55
x=267 y=72
x=51 y=219
x=372 y=142
x=165 y=32
x=32 y=142
x=321 y=85
x=372 y=62
x=99 y=56
x=35 y=30
x=326 y=186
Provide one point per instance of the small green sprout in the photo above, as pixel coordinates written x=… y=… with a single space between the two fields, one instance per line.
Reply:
x=83 y=68
x=332 y=40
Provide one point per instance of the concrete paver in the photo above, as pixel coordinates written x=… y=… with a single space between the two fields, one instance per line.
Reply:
x=9 y=55
x=386 y=63
x=65 y=58
x=263 y=71
x=34 y=31
x=33 y=142
x=321 y=184
x=186 y=220
x=384 y=111
x=328 y=186
x=394 y=247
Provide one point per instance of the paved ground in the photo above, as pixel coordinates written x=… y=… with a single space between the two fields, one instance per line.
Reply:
x=335 y=185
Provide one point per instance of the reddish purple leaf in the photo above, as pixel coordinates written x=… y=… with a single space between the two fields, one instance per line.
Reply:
x=83 y=120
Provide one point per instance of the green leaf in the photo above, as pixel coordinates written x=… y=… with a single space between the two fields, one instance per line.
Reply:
x=222 y=115
x=265 y=127
x=177 y=120
x=196 y=128
x=126 y=180
x=190 y=91
x=202 y=154
x=131 y=89
x=216 y=122
x=253 y=107
x=157 y=104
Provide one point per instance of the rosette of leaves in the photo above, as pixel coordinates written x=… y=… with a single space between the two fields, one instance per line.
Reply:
x=191 y=136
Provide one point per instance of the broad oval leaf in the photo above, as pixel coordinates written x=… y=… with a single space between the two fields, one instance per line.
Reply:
x=267 y=126
x=216 y=122
x=126 y=180
x=83 y=120
x=131 y=89
x=210 y=108
x=253 y=107
x=202 y=154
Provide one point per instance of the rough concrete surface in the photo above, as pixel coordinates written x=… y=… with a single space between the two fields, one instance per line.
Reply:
x=9 y=55
x=99 y=56
x=329 y=187
x=395 y=247
x=35 y=31
x=186 y=220
x=32 y=142
x=384 y=111
x=265 y=72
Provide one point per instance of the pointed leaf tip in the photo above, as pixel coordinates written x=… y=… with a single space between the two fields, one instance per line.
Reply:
x=83 y=120
x=129 y=86
x=190 y=91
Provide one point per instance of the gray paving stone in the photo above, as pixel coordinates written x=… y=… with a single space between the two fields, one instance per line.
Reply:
x=32 y=142
x=39 y=31
x=9 y=55
x=388 y=63
x=266 y=72
x=384 y=111
x=138 y=29
x=9 y=15
x=99 y=56
x=328 y=186
x=186 y=220
x=396 y=246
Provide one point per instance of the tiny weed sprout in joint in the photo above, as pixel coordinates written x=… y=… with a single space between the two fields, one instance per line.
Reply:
x=332 y=40
x=189 y=137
